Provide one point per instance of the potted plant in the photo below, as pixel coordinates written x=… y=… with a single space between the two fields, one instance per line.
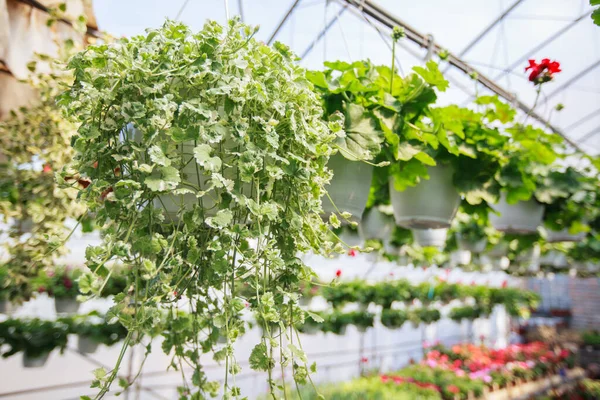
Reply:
x=35 y=338
x=216 y=87
x=376 y=224
x=522 y=217
x=393 y=319
x=471 y=233
x=361 y=319
x=93 y=330
x=60 y=283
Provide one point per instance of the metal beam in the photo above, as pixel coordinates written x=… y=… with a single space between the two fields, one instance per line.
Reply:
x=589 y=135
x=283 y=21
x=571 y=81
x=489 y=28
x=390 y=21
x=595 y=113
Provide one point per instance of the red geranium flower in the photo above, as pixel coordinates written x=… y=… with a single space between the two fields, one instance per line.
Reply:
x=352 y=253
x=338 y=273
x=542 y=72
x=67 y=283
x=453 y=389
x=47 y=168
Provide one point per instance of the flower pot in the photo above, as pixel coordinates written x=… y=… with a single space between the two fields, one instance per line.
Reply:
x=522 y=217
x=564 y=236
x=86 y=345
x=430 y=237
x=389 y=248
x=6 y=307
x=554 y=259
x=376 y=225
x=531 y=258
x=474 y=246
x=499 y=250
x=311 y=329
x=66 y=306
x=35 y=362
x=350 y=237
x=431 y=204
x=460 y=257
x=349 y=187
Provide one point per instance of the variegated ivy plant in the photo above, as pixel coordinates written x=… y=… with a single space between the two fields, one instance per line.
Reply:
x=206 y=159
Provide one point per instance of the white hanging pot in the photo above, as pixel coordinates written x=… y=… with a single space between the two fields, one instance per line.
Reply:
x=531 y=258
x=311 y=329
x=460 y=257
x=522 y=217
x=376 y=225
x=35 y=362
x=349 y=187
x=430 y=237
x=86 y=345
x=389 y=248
x=554 y=259
x=6 y=307
x=431 y=204
x=350 y=237
x=564 y=236
x=66 y=306
x=476 y=247
x=499 y=250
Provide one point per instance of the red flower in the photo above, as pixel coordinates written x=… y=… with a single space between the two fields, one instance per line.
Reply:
x=41 y=289
x=542 y=72
x=504 y=283
x=95 y=164
x=384 y=378
x=352 y=253
x=338 y=273
x=453 y=389
x=47 y=169
x=364 y=360
x=67 y=283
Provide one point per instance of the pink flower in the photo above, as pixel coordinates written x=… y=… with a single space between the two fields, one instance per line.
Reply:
x=352 y=253
x=364 y=360
x=338 y=273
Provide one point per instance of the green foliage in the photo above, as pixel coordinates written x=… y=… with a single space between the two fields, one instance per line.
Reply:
x=58 y=282
x=206 y=155
x=33 y=337
x=591 y=338
x=596 y=13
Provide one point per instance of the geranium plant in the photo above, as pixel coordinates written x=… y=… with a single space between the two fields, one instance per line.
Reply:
x=206 y=160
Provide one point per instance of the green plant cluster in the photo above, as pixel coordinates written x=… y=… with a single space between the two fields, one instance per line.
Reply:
x=591 y=338
x=36 y=337
x=206 y=159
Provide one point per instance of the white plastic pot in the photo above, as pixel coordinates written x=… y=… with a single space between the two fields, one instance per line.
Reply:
x=499 y=250
x=430 y=237
x=66 y=306
x=564 y=236
x=469 y=245
x=86 y=345
x=376 y=225
x=431 y=204
x=554 y=259
x=389 y=248
x=460 y=257
x=350 y=237
x=349 y=187
x=311 y=329
x=531 y=258
x=522 y=217
x=35 y=362
x=6 y=307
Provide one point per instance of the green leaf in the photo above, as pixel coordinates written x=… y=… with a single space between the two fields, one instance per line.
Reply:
x=317 y=78
x=315 y=317
x=259 y=359
x=222 y=219
x=432 y=75
x=362 y=137
x=157 y=156
x=168 y=180
x=202 y=155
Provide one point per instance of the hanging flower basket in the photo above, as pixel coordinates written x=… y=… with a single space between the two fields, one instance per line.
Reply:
x=472 y=246
x=431 y=204
x=499 y=250
x=348 y=188
x=66 y=306
x=86 y=345
x=35 y=361
x=564 y=236
x=376 y=225
x=531 y=258
x=522 y=217
x=430 y=237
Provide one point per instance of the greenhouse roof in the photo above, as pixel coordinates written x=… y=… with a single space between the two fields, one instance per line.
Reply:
x=496 y=38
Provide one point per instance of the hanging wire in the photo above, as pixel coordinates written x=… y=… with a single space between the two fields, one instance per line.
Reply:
x=241 y=10
x=345 y=41
x=325 y=27
x=185 y=3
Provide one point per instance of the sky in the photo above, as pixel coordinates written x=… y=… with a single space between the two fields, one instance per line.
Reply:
x=452 y=23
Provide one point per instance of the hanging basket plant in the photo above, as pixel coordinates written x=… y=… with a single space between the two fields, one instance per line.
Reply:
x=522 y=217
x=430 y=237
x=244 y=116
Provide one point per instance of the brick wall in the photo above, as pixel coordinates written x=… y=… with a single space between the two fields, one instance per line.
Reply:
x=585 y=303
